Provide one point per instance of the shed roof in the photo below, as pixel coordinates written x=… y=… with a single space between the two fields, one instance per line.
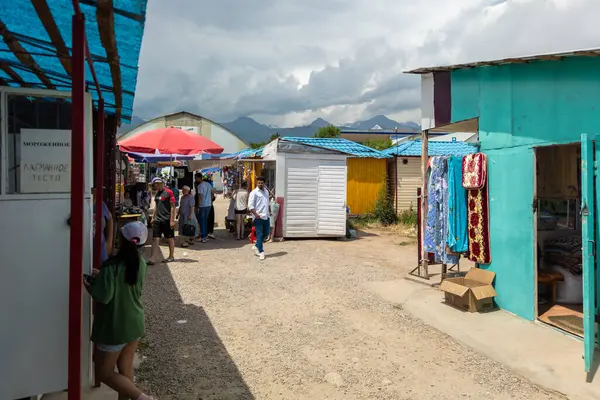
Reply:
x=514 y=60
x=182 y=113
x=413 y=148
x=36 y=47
x=342 y=145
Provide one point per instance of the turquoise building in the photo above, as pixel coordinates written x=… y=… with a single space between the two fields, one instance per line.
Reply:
x=536 y=118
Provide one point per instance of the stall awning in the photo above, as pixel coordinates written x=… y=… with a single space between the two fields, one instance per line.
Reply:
x=152 y=158
x=36 y=47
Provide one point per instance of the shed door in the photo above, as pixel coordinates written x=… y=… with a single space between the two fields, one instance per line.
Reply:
x=301 y=198
x=332 y=200
x=588 y=226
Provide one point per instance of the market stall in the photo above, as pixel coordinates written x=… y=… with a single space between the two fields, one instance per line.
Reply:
x=541 y=198
x=59 y=117
x=310 y=186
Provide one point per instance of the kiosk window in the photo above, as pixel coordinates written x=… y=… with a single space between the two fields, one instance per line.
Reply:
x=38 y=142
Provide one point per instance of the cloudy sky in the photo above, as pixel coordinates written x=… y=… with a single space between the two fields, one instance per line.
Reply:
x=286 y=62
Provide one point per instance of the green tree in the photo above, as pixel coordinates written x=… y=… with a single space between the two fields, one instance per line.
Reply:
x=328 y=132
x=380 y=144
x=384 y=211
x=261 y=144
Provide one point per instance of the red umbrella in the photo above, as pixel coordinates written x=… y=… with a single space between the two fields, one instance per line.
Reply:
x=169 y=141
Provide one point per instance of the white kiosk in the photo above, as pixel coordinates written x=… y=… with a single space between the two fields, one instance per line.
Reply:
x=34 y=209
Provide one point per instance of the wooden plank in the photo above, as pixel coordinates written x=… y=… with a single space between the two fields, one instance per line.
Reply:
x=23 y=56
x=106 y=27
x=45 y=15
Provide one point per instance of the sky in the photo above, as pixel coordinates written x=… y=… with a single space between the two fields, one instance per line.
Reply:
x=287 y=62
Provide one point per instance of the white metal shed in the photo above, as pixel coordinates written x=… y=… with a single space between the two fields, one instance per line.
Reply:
x=310 y=183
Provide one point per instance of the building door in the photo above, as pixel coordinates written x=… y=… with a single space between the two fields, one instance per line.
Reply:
x=331 y=219
x=589 y=207
x=301 y=198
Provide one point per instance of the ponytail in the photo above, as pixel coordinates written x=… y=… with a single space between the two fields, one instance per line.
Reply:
x=129 y=255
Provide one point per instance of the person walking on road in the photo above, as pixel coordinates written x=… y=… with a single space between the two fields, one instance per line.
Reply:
x=240 y=197
x=258 y=204
x=204 y=202
x=210 y=226
x=163 y=220
x=186 y=216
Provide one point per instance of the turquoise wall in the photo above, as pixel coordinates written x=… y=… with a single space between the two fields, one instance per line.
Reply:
x=521 y=106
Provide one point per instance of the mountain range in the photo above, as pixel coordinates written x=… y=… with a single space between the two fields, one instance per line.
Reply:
x=252 y=131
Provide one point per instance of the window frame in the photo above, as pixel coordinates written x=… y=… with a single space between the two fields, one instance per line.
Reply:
x=5 y=92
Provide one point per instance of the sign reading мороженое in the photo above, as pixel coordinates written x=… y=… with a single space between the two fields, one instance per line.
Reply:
x=45 y=165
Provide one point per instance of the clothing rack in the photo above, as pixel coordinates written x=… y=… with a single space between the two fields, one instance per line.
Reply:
x=422 y=270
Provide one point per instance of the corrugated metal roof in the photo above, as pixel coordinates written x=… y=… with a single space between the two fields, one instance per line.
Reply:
x=25 y=29
x=514 y=60
x=413 y=148
x=246 y=153
x=342 y=145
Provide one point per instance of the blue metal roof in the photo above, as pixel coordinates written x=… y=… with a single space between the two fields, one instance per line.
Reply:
x=413 y=148
x=24 y=25
x=342 y=145
x=246 y=153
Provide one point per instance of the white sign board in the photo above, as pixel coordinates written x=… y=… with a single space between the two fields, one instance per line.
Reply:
x=194 y=129
x=45 y=161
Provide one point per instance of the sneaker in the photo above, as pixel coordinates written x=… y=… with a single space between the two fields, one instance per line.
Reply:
x=211 y=236
x=204 y=240
x=170 y=259
x=261 y=256
x=254 y=248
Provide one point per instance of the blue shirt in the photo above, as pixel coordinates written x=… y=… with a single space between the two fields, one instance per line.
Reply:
x=105 y=216
x=206 y=191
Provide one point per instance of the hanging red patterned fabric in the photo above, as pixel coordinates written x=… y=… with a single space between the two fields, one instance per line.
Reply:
x=474 y=171
x=478 y=224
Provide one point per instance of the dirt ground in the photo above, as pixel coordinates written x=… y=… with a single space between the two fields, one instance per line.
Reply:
x=302 y=325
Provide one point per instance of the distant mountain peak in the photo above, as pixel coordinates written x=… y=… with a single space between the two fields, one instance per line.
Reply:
x=319 y=123
x=252 y=131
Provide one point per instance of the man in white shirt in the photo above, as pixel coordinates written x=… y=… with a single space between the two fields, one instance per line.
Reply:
x=258 y=204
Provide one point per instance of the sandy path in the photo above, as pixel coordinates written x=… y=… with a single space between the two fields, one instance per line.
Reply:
x=302 y=325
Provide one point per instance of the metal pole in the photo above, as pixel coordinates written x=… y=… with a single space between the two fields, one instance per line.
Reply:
x=77 y=193
x=99 y=184
x=424 y=272
x=98 y=213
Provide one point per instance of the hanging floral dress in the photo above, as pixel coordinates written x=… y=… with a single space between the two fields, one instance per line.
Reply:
x=436 y=230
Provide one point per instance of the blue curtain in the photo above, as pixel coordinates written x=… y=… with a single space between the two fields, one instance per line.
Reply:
x=457 y=239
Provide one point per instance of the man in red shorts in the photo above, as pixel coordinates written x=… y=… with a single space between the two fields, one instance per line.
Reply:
x=163 y=219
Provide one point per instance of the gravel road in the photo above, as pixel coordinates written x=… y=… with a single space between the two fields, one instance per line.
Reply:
x=301 y=325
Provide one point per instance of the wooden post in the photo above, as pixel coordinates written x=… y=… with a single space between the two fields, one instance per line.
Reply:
x=424 y=270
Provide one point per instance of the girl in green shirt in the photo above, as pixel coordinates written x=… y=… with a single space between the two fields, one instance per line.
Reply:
x=119 y=318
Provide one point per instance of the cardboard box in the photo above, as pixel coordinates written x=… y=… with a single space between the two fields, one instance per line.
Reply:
x=472 y=293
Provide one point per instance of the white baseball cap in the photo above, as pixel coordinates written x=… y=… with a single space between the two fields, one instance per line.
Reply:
x=135 y=232
x=157 y=180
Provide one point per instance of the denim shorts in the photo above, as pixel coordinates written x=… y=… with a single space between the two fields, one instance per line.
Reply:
x=111 y=348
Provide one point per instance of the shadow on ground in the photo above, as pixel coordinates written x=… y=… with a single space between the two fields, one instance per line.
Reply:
x=184 y=357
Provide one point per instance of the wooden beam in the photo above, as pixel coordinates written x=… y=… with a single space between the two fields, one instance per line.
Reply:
x=23 y=56
x=13 y=75
x=123 y=13
x=43 y=12
x=106 y=27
